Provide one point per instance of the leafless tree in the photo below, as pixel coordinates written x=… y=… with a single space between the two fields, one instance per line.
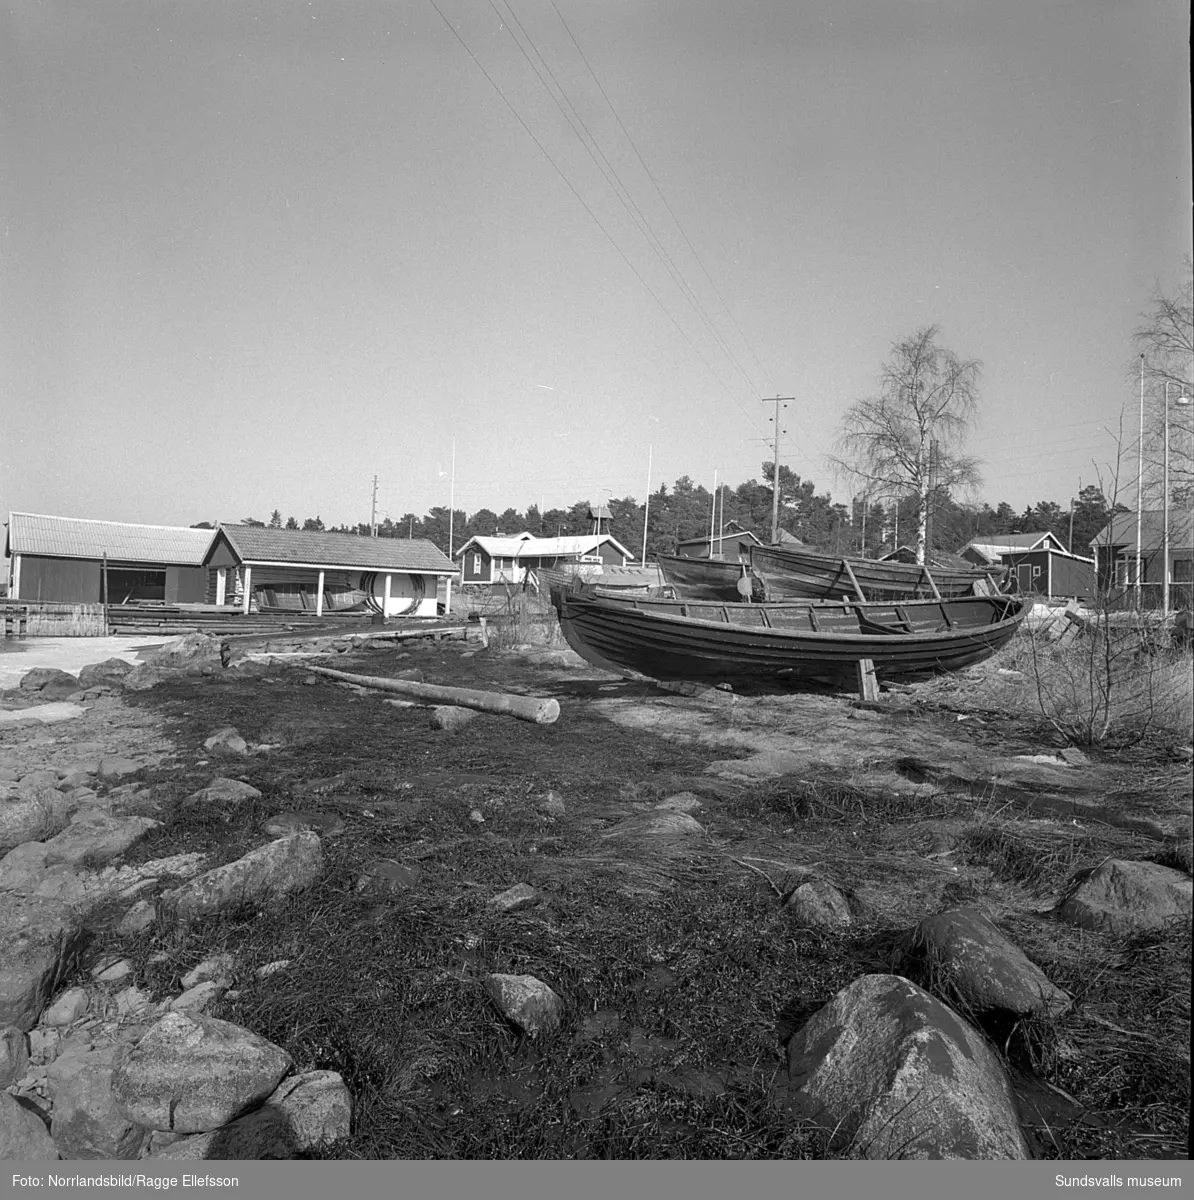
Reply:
x=1166 y=340
x=908 y=439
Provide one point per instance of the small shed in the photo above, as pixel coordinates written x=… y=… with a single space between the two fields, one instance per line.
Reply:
x=256 y=568
x=733 y=544
x=507 y=559
x=1039 y=562
x=77 y=560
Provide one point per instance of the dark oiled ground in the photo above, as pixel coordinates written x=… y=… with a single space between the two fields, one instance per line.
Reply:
x=680 y=969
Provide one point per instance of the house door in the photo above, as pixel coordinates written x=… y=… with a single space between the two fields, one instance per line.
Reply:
x=1024 y=576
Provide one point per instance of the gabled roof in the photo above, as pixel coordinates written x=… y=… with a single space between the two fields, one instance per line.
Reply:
x=784 y=538
x=600 y=512
x=1013 y=543
x=526 y=546
x=81 y=537
x=255 y=545
x=1121 y=530
x=732 y=530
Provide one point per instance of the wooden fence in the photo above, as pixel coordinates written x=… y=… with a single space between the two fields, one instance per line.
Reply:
x=44 y=619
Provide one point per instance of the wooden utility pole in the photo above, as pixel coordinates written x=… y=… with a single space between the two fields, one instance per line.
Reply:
x=373 y=514
x=775 y=467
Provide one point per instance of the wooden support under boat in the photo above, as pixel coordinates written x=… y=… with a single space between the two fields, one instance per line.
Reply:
x=868 y=684
x=536 y=709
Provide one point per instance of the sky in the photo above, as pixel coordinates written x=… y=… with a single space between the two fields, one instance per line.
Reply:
x=539 y=251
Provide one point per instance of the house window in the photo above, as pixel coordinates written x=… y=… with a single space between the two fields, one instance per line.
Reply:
x=1035 y=572
x=476 y=564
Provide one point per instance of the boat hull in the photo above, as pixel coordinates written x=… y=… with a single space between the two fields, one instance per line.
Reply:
x=784 y=644
x=707 y=578
x=795 y=574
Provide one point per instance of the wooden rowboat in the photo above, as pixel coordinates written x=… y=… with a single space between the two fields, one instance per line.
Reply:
x=801 y=574
x=708 y=578
x=784 y=643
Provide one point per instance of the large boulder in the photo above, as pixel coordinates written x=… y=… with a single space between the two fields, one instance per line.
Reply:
x=192 y=1074
x=108 y=673
x=49 y=683
x=966 y=954
x=897 y=1074
x=86 y=1120
x=262 y=876
x=191 y=650
x=1123 y=896
x=37 y=936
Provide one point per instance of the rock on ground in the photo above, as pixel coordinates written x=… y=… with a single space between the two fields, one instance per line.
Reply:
x=986 y=971
x=23 y=1136
x=262 y=876
x=36 y=939
x=451 y=717
x=86 y=1121
x=817 y=904
x=192 y=1074
x=1122 y=897
x=521 y=895
x=526 y=1001
x=897 y=1074
x=104 y=674
x=14 y=1054
x=49 y=683
x=190 y=650
x=221 y=790
x=38 y=811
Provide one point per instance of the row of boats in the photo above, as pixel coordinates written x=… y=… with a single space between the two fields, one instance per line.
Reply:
x=790 y=618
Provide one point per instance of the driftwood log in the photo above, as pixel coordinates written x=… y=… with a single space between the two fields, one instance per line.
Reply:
x=526 y=708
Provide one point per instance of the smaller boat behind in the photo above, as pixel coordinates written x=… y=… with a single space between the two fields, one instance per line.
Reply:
x=709 y=578
x=803 y=574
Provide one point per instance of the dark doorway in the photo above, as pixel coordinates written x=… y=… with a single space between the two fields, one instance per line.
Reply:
x=125 y=585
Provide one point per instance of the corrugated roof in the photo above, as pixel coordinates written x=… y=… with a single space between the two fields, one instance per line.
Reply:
x=254 y=544
x=1121 y=530
x=1013 y=543
x=80 y=537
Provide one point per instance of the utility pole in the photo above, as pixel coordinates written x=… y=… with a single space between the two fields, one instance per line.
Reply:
x=775 y=466
x=373 y=514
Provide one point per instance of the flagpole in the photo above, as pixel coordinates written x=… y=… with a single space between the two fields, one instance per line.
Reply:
x=647 y=505
x=451 y=517
x=1140 y=489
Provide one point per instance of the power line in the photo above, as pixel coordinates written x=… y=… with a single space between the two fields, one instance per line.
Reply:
x=658 y=189
x=619 y=188
x=584 y=204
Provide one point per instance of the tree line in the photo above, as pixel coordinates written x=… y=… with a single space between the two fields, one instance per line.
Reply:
x=686 y=511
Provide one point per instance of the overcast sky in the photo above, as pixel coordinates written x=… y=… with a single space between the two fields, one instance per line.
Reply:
x=256 y=253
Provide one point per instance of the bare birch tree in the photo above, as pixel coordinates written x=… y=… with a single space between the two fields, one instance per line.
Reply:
x=1166 y=340
x=908 y=439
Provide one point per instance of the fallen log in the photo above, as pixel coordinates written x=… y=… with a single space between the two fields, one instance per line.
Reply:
x=525 y=708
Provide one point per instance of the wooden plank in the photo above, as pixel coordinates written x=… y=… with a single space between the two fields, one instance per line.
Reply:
x=853 y=580
x=868 y=684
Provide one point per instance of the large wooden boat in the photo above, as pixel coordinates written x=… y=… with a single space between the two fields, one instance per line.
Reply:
x=783 y=643
x=709 y=578
x=802 y=574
